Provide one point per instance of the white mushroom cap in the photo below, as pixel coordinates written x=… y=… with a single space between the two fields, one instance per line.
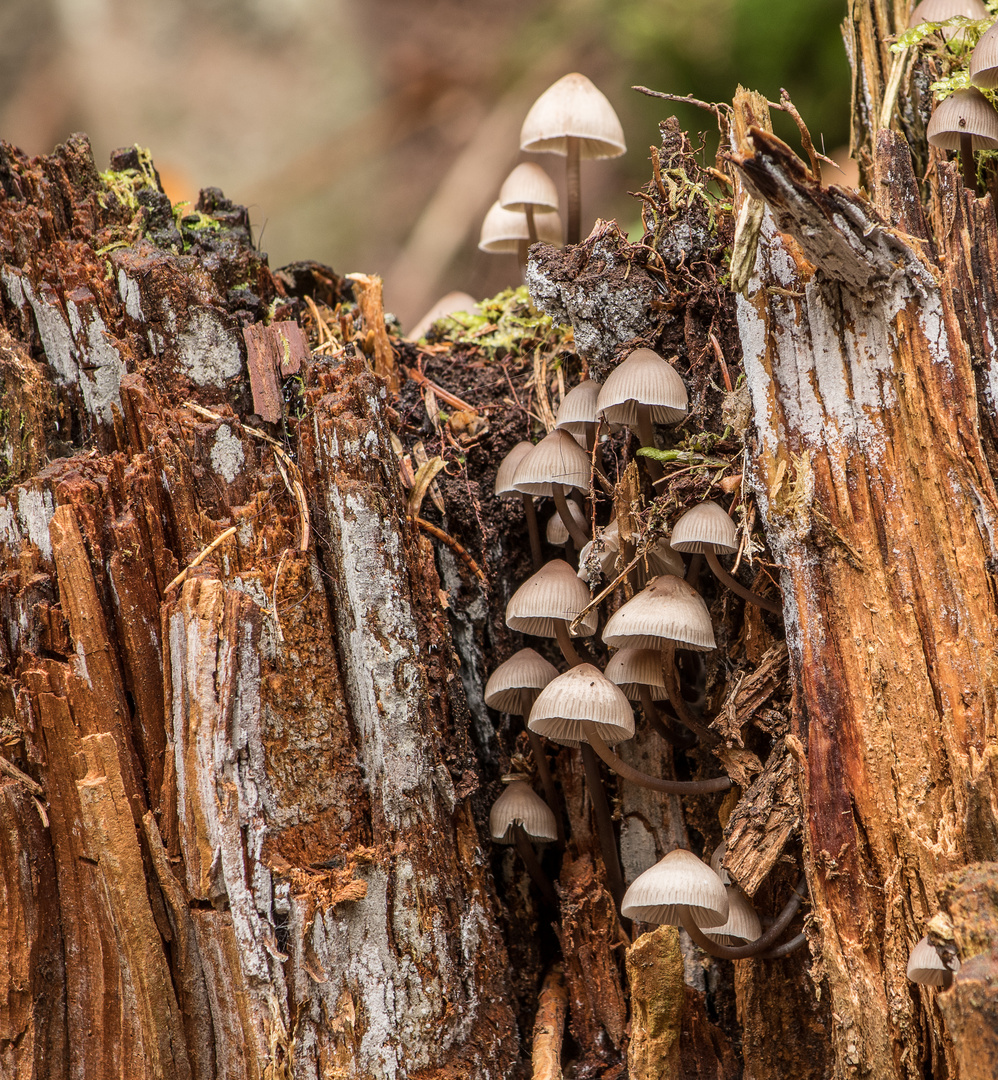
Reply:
x=578 y=407
x=941 y=10
x=660 y=558
x=967 y=112
x=743 y=922
x=507 y=468
x=716 y=863
x=446 y=305
x=524 y=670
x=643 y=378
x=502 y=230
x=519 y=804
x=556 y=459
x=573 y=107
x=678 y=880
x=582 y=693
x=528 y=185
x=927 y=967
x=984 y=60
x=557 y=531
x=706 y=527
x=666 y=609
x=554 y=592
x=631 y=669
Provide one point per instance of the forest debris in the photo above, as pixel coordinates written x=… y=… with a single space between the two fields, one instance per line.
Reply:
x=367 y=289
x=427 y=470
x=765 y=818
x=420 y=457
x=751 y=692
x=444 y=395
x=201 y=556
x=540 y=383
x=266 y=391
x=549 y=1027
x=11 y=770
x=655 y=977
x=458 y=550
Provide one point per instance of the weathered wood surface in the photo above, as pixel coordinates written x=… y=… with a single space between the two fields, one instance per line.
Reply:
x=250 y=856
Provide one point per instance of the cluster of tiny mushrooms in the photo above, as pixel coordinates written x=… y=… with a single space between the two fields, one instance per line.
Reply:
x=585 y=707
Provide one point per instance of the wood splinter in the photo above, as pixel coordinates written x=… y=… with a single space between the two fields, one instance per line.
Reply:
x=549 y=1027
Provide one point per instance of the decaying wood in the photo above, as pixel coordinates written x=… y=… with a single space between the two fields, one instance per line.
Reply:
x=655 y=979
x=549 y=1027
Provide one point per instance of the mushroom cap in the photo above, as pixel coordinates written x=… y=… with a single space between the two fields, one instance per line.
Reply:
x=644 y=378
x=524 y=670
x=557 y=532
x=446 y=305
x=519 y=804
x=502 y=230
x=582 y=693
x=573 y=107
x=678 y=880
x=941 y=10
x=717 y=863
x=556 y=459
x=666 y=609
x=661 y=558
x=966 y=112
x=631 y=669
x=706 y=527
x=578 y=407
x=984 y=60
x=507 y=468
x=743 y=922
x=927 y=967
x=554 y=592
x=528 y=185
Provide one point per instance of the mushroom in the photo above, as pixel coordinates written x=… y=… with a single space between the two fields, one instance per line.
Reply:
x=548 y=602
x=528 y=190
x=708 y=529
x=643 y=390
x=577 y=411
x=504 y=487
x=984 y=60
x=574 y=119
x=557 y=462
x=927 y=966
x=678 y=887
x=638 y=672
x=518 y=816
x=557 y=534
x=938 y=11
x=965 y=121
x=743 y=922
x=504 y=231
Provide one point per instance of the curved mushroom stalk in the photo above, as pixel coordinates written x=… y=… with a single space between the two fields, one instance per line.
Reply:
x=526 y=852
x=684 y=713
x=577 y=533
x=684 y=740
x=738 y=588
x=762 y=945
x=536 y=555
x=628 y=772
x=547 y=781
x=571 y=650
x=646 y=435
x=604 y=824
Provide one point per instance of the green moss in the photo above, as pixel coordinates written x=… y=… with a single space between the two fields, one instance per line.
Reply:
x=504 y=323
x=125 y=183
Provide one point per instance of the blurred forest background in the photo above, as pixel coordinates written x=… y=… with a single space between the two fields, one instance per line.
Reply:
x=372 y=135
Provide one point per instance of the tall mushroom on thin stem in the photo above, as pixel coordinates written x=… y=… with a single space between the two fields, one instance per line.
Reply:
x=574 y=119
x=638 y=672
x=528 y=190
x=642 y=391
x=965 y=121
x=708 y=530
x=556 y=465
x=519 y=816
x=503 y=231
x=504 y=487
x=547 y=603
x=577 y=411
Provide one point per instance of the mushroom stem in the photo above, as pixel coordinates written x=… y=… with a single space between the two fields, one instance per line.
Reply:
x=573 y=186
x=753 y=948
x=604 y=826
x=736 y=586
x=536 y=555
x=547 y=781
x=526 y=852
x=967 y=161
x=567 y=646
x=693 y=570
x=646 y=435
x=521 y=254
x=684 y=713
x=628 y=772
x=683 y=739
x=577 y=534
x=531 y=224
x=791 y=945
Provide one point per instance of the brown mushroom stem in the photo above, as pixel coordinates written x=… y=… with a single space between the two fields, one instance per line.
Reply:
x=531 y=224
x=683 y=739
x=736 y=586
x=604 y=825
x=522 y=247
x=646 y=434
x=967 y=161
x=526 y=852
x=567 y=646
x=573 y=187
x=670 y=675
x=653 y=783
x=791 y=945
x=753 y=948
x=576 y=532
x=547 y=781
x=536 y=555
x=693 y=570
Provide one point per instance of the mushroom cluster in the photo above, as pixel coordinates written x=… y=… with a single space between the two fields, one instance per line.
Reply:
x=589 y=707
